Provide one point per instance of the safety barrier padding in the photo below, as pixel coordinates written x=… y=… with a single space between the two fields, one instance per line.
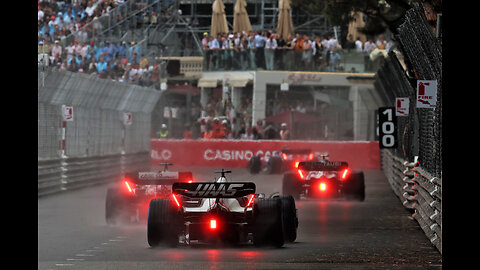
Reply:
x=237 y=153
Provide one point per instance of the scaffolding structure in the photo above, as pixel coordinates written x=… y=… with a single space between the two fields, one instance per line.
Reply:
x=179 y=24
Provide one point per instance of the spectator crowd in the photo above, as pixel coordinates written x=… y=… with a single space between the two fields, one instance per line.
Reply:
x=266 y=50
x=124 y=62
x=118 y=61
x=220 y=119
x=253 y=50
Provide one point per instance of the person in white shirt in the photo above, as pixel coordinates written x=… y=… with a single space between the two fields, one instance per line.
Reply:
x=90 y=8
x=41 y=14
x=56 y=49
x=369 y=46
x=270 y=47
x=331 y=43
x=358 y=45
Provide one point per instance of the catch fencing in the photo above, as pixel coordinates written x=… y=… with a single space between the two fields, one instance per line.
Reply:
x=418 y=184
x=108 y=131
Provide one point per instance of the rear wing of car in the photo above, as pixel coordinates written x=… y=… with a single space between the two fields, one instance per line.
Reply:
x=214 y=190
x=323 y=165
x=159 y=178
x=296 y=151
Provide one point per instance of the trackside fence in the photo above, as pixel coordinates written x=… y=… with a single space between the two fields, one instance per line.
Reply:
x=418 y=184
x=106 y=133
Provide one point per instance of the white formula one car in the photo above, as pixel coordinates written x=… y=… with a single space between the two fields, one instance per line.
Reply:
x=128 y=201
x=324 y=179
x=221 y=212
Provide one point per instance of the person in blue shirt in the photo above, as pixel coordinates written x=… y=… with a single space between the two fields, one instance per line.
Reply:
x=251 y=50
x=217 y=45
x=79 y=60
x=45 y=28
x=67 y=17
x=102 y=64
x=108 y=51
x=115 y=46
x=91 y=50
x=134 y=48
x=259 y=42
x=122 y=50
x=99 y=50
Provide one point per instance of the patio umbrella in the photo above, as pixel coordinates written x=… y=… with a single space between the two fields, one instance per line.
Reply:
x=219 y=20
x=241 y=22
x=285 y=24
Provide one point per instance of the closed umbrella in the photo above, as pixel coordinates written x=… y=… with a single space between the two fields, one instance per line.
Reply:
x=285 y=24
x=355 y=24
x=219 y=20
x=241 y=22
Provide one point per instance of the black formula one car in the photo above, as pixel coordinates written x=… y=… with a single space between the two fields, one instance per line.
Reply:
x=128 y=201
x=280 y=161
x=324 y=179
x=221 y=212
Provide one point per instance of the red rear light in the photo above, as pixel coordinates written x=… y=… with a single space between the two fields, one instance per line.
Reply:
x=301 y=173
x=310 y=157
x=345 y=174
x=250 y=200
x=213 y=224
x=296 y=164
x=175 y=200
x=127 y=185
x=322 y=186
x=284 y=156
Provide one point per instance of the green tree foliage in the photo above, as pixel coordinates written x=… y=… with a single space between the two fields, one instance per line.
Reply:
x=380 y=14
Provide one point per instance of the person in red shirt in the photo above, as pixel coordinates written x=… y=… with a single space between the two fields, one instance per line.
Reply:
x=217 y=131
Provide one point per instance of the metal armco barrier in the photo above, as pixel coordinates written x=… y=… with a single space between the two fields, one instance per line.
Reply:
x=57 y=175
x=419 y=192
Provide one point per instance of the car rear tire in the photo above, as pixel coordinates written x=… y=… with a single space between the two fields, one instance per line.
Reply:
x=162 y=223
x=290 y=219
x=255 y=165
x=356 y=187
x=268 y=225
x=274 y=165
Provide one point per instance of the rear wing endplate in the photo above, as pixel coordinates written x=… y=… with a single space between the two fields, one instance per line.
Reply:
x=214 y=190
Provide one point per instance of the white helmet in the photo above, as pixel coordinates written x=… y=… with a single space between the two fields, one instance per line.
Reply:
x=221 y=179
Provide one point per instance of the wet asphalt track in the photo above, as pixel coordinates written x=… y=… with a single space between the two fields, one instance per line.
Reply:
x=375 y=234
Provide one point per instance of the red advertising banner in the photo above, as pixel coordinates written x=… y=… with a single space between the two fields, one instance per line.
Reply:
x=237 y=153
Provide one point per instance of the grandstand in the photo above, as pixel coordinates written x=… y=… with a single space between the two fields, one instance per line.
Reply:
x=169 y=33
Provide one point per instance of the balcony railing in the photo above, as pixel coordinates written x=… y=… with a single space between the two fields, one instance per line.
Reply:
x=287 y=60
